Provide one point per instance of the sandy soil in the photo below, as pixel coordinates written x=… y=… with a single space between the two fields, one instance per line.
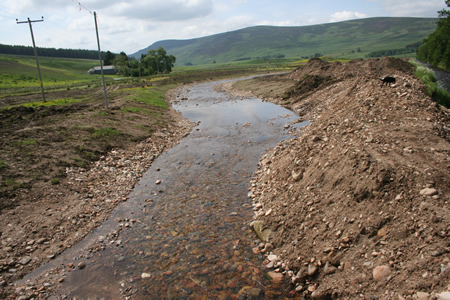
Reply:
x=356 y=206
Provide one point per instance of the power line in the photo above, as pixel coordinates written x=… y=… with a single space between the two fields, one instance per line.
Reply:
x=82 y=6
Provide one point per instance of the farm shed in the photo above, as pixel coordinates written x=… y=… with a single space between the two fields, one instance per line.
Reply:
x=107 y=70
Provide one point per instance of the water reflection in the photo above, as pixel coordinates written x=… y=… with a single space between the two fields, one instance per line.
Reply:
x=183 y=232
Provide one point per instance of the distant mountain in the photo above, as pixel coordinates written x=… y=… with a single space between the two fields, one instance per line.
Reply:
x=359 y=36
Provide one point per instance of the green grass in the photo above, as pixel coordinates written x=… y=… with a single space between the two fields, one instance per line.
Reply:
x=62 y=101
x=19 y=74
x=3 y=165
x=427 y=76
x=152 y=96
x=26 y=142
x=105 y=132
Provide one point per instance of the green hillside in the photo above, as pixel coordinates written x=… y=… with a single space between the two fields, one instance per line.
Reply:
x=352 y=39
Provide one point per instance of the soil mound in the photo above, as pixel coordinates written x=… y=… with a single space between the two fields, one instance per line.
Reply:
x=357 y=204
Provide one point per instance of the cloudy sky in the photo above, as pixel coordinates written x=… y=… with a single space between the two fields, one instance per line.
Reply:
x=131 y=25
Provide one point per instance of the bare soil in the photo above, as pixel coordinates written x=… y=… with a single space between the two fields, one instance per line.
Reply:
x=357 y=205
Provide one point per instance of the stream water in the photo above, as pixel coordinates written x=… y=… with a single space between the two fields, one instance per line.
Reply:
x=442 y=76
x=183 y=233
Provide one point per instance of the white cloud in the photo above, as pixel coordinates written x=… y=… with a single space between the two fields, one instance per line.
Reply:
x=413 y=8
x=346 y=15
x=168 y=10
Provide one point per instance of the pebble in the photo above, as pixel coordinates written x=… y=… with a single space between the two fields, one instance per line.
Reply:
x=312 y=269
x=329 y=269
x=381 y=272
x=444 y=296
x=24 y=260
x=422 y=296
x=81 y=265
x=428 y=192
x=250 y=293
x=276 y=277
x=146 y=275
x=41 y=240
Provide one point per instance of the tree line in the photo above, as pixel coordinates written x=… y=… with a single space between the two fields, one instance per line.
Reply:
x=153 y=62
x=50 y=52
x=436 y=48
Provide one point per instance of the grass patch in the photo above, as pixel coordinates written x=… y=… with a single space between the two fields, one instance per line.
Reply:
x=132 y=109
x=105 y=132
x=11 y=183
x=79 y=162
x=26 y=142
x=2 y=165
x=152 y=96
x=427 y=77
x=62 y=101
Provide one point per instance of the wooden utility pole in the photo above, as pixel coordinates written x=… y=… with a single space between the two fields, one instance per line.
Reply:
x=101 y=62
x=35 y=52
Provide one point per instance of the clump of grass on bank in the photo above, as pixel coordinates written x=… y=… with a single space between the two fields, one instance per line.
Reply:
x=62 y=101
x=427 y=76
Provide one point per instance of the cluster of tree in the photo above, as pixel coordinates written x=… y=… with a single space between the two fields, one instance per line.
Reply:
x=50 y=52
x=391 y=52
x=280 y=55
x=154 y=62
x=436 y=48
x=315 y=55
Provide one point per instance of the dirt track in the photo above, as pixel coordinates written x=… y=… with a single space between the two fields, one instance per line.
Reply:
x=358 y=204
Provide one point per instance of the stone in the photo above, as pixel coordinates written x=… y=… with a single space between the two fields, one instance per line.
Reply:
x=248 y=292
x=381 y=272
x=321 y=295
x=301 y=274
x=146 y=275
x=444 y=296
x=272 y=257
x=428 y=192
x=81 y=265
x=276 y=277
x=329 y=269
x=262 y=234
x=41 y=240
x=382 y=232
x=312 y=269
x=297 y=176
x=422 y=296
x=24 y=260
x=267 y=247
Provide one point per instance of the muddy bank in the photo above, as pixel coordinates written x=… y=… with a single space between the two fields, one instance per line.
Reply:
x=357 y=204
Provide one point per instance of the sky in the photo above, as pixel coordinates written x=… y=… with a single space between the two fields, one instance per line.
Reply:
x=131 y=25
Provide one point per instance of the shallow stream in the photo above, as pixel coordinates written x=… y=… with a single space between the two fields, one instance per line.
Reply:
x=184 y=231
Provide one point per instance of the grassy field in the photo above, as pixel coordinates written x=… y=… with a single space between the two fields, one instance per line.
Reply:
x=18 y=74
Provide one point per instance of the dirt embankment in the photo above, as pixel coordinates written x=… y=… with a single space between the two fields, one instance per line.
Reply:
x=358 y=204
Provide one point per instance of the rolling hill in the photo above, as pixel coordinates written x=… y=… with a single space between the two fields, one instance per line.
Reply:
x=352 y=39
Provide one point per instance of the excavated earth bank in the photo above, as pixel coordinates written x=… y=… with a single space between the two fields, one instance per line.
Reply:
x=357 y=205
